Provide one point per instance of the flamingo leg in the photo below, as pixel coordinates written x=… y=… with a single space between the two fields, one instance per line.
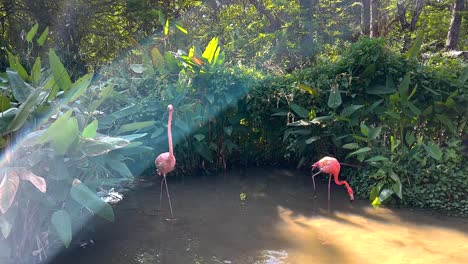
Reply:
x=329 y=182
x=160 y=194
x=313 y=179
x=168 y=197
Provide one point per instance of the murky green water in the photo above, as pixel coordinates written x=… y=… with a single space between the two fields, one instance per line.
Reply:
x=279 y=222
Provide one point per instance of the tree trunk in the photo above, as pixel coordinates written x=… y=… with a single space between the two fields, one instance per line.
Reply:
x=274 y=23
x=365 y=17
x=308 y=9
x=416 y=12
x=455 y=24
x=374 y=18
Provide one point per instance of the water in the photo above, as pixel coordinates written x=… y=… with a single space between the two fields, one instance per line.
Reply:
x=279 y=222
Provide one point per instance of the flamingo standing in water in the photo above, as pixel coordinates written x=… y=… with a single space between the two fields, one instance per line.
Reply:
x=331 y=166
x=166 y=161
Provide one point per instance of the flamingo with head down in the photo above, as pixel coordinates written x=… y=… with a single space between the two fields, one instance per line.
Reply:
x=331 y=166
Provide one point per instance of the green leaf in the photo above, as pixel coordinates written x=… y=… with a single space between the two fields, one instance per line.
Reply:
x=101 y=145
x=105 y=93
x=359 y=151
x=16 y=66
x=32 y=33
x=312 y=139
x=43 y=36
x=414 y=50
x=199 y=137
x=379 y=89
x=61 y=76
x=384 y=195
x=87 y=198
x=393 y=143
x=36 y=72
x=350 y=146
x=364 y=129
x=21 y=89
x=133 y=136
x=78 y=88
x=397 y=189
x=377 y=158
x=137 y=68
x=120 y=167
x=349 y=110
x=136 y=126
x=403 y=87
x=4 y=103
x=62 y=222
x=413 y=108
x=374 y=193
x=159 y=131
x=444 y=119
x=62 y=133
x=183 y=30
x=90 y=130
x=374 y=132
x=306 y=88
x=24 y=112
x=299 y=110
x=433 y=150
x=334 y=99
x=228 y=130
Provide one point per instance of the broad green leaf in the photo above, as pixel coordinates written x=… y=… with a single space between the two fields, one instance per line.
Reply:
x=334 y=99
x=101 y=145
x=379 y=89
x=133 y=136
x=377 y=158
x=21 y=90
x=61 y=76
x=8 y=188
x=78 y=88
x=350 y=146
x=36 y=72
x=32 y=33
x=62 y=223
x=87 y=198
x=312 y=139
x=4 y=103
x=433 y=150
x=24 y=112
x=62 y=133
x=413 y=108
x=374 y=105
x=449 y=124
x=374 y=193
x=90 y=130
x=359 y=151
x=299 y=110
x=136 y=126
x=183 y=30
x=199 y=137
x=414 y=50
x=369 y=70
x=16 y=66
x=403 y=87
x=384 y=195
x=410 y=138
x=397 y=189
x=159 y=131
x=120 y=167
x=389 y=83
x=105 y=93
x=204 y=151
x=349 y=110
x=374 y=132
x=137 y=68
x=364 y=129
x=42 y=38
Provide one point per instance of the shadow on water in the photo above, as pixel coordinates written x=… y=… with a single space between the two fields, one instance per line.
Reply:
x=279 y=222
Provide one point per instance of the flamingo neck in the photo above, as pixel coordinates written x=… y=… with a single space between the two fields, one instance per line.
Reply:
x=169 y=133
x=345 y=183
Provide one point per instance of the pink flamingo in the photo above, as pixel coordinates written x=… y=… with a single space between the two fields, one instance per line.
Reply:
x=166 y=161
x=331 y=166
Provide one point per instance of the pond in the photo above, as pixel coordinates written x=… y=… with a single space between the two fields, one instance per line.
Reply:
x=279 y=221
